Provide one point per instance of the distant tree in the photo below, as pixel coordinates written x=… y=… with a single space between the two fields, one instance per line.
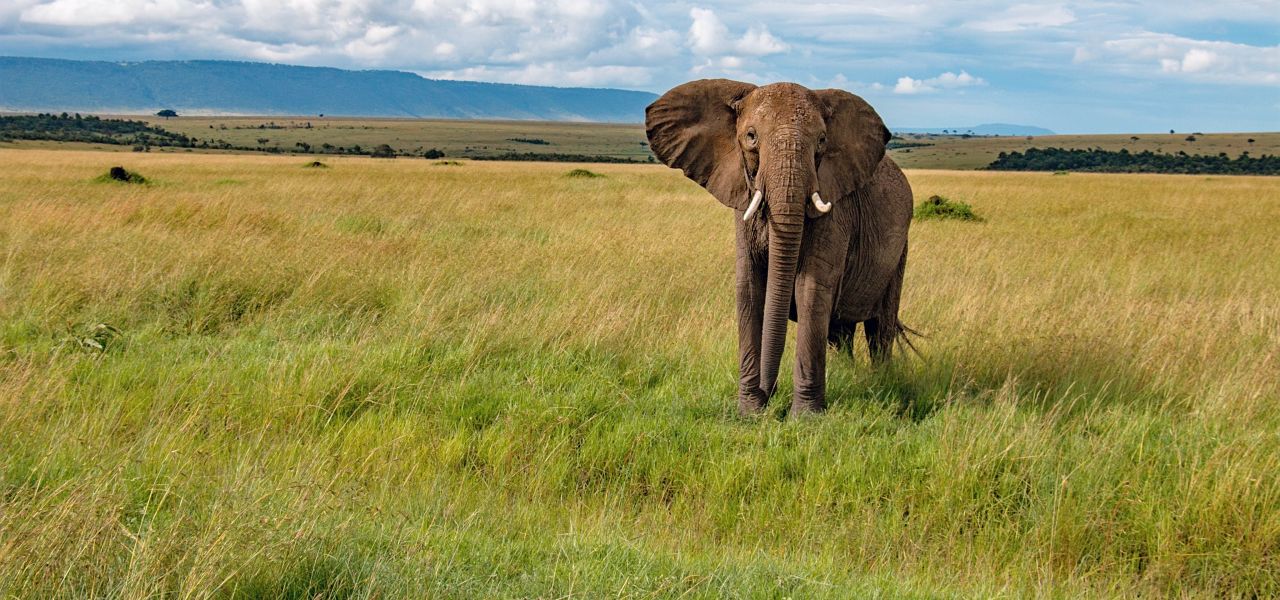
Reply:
x=166 y=113
x=305 y=147
x=1191 y=138
x=1171 y=131
x=1251 y=140
x=1123 y=161
x=433 y=154
x=383 y=151
x=1133 y=138
x=263 y=141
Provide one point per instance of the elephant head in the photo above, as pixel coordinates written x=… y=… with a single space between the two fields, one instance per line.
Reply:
x=779 y=154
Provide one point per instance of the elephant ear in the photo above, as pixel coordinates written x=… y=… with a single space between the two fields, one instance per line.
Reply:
x=856 y=138
x=693 y=127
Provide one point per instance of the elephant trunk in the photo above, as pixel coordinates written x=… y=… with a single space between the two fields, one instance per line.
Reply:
x=784 y=254
x=787 y=197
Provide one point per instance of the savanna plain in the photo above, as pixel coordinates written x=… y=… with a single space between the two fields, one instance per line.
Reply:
x=403 y=378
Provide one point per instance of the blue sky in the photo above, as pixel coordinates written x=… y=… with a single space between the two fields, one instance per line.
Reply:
x=1094 y=66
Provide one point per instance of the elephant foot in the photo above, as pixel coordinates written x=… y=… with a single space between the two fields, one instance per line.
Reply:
x=751 y=402
x=807 y=406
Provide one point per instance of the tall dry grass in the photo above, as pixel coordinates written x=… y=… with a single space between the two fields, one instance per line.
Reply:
x=392 y=378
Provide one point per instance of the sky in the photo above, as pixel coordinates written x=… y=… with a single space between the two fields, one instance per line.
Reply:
x=1074 y=67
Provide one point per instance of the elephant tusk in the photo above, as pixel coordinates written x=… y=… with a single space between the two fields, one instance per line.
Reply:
x=755 y=203
x=822 y=207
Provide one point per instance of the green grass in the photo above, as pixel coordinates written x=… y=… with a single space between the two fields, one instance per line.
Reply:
x=390 y=379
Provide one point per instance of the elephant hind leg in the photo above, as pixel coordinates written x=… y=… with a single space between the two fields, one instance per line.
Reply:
x=841 y=335
x=880 y=338
x=885 y=328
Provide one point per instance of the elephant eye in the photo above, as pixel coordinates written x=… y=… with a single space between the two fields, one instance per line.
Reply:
x=751 y=136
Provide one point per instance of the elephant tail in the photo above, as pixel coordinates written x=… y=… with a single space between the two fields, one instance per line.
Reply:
x=904 y=334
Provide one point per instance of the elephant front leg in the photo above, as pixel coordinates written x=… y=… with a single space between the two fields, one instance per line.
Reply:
x=814 y=297
x=750 y=300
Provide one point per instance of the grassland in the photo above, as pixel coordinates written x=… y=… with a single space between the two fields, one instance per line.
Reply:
x=398 y=379
x=485 y=139
x=455 y=138
x=956 y=152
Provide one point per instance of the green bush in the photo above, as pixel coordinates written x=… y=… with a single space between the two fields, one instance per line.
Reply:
x=583 y=173
x=940 y=207
x=120 y=175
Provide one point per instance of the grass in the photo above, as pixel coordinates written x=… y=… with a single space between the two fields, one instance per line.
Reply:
x=388 y=379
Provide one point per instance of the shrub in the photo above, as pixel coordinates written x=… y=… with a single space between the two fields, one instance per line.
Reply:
x=315 y=164
x=383 y=151
x=583 y=173
x=121 y=175
x=939 y=207
x=94 y=339
x=447 y=163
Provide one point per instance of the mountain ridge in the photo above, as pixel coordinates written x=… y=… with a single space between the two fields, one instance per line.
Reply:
x=251 y=88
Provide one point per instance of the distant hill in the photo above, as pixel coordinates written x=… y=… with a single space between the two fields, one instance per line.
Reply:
x=229 y=87
x=984 y=129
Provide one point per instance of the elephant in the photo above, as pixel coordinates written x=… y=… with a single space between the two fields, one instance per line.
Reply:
x=822 y=215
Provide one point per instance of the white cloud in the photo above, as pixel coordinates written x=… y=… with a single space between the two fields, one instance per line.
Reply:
x=1147 y=53
x=709 y=36
x=1025 y=16
x=721 y=53
x=551 y=74
x=947 y=80
x=759 y=42
x=91 y=13
x=1197 y=60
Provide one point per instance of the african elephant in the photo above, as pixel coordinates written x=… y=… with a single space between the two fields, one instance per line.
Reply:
x=822 y=219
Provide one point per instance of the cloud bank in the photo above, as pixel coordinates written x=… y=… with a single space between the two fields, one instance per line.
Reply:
x=931 y=62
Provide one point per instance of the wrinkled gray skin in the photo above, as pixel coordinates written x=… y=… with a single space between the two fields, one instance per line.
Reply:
x=828 y=272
